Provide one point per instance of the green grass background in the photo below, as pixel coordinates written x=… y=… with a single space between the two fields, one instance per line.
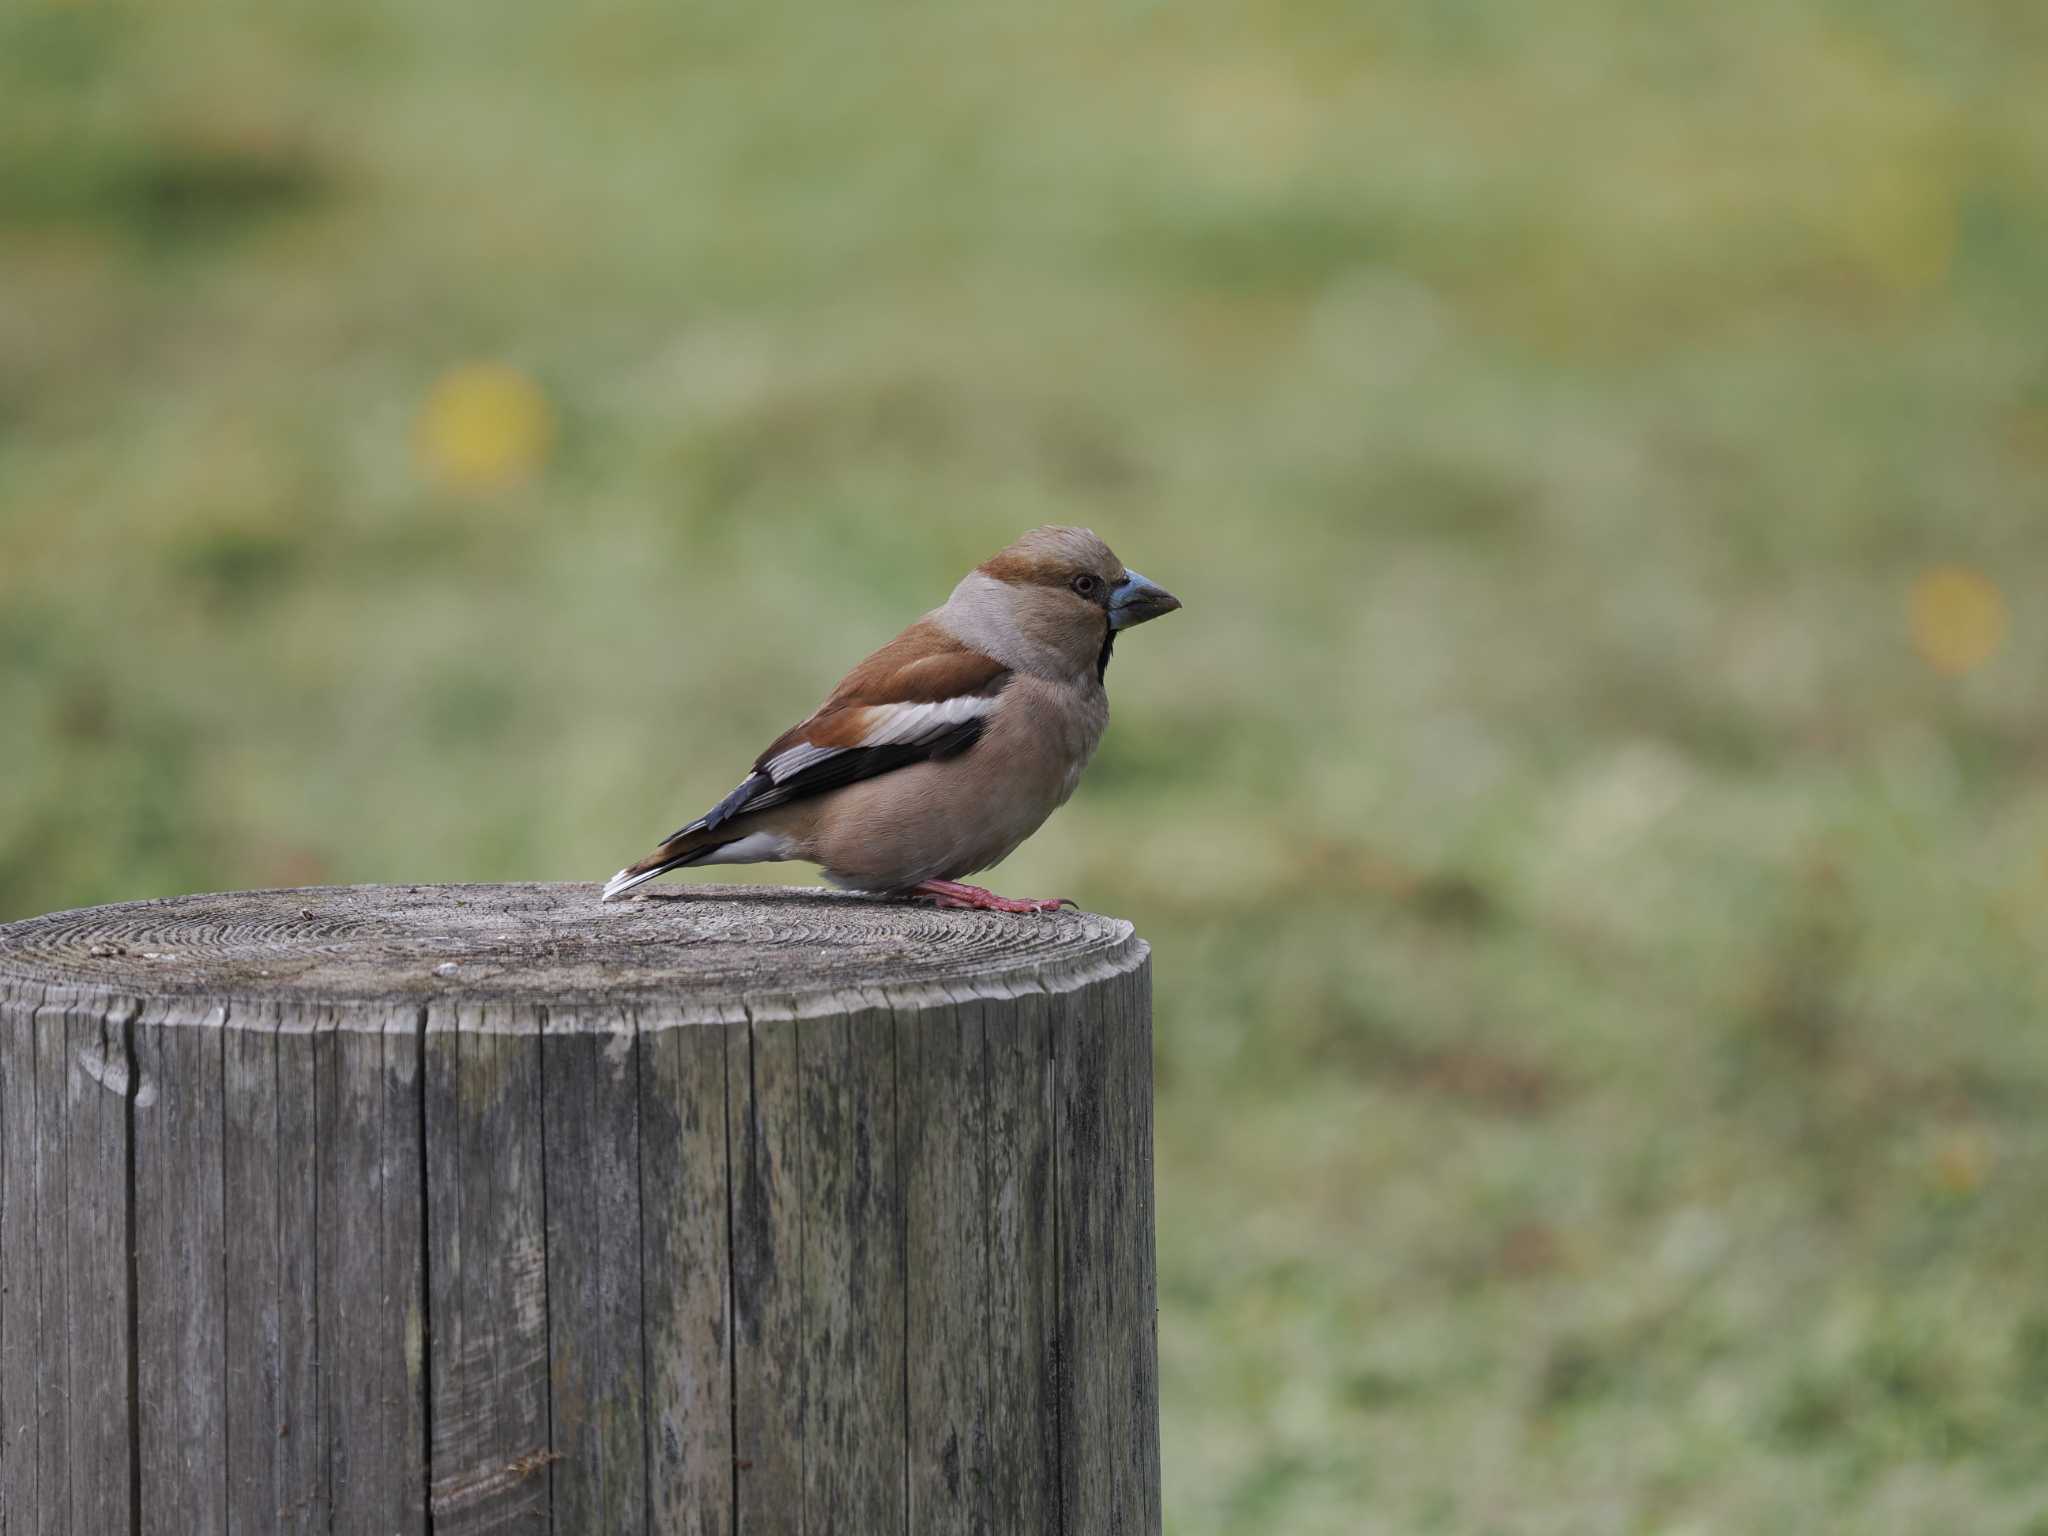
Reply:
x=1603 y=1084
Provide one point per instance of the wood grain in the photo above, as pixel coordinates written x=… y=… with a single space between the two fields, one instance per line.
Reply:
x=369 y=1284
x=22 y=1157
x=487 y=1261
x=590 y=1065
x=181 y=1300
x=1023 y=1265
x=67 y=1437
x=99 y=1074
x=852 y=1289
x=686 y=1274
x=948 y=1264
x=1083 y=1153
x=763 y=1069
x=497 y=1209
x=276 y=1461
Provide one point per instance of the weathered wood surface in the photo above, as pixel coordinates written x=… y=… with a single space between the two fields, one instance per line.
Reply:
x=490 y=1208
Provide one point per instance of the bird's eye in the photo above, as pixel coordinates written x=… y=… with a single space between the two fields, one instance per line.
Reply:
x=1085 y=584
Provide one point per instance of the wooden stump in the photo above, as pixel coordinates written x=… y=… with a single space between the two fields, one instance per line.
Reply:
x=490 y=1208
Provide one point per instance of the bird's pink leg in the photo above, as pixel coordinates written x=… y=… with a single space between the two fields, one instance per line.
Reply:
x=951 y=893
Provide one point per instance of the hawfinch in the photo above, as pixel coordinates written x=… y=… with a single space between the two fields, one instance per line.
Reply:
x=950 y=745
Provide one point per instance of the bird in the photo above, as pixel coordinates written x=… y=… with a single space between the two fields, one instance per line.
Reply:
x=943 y=751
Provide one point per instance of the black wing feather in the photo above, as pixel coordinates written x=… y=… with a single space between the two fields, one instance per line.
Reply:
x=758 y=792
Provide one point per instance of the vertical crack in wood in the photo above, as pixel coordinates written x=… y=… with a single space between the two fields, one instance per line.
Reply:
x=128 y=1248
x=383 y=1177
x=35 y=1082
x=803 y=1280
x=547 y=1300
x=903 y=1176
x=323 y=1122
x=5 y=1023
x=1107 y=1027
x=227 y=1396
x=6 y=1192
x=1059 y=1268
x=279 y=1478
x=384 y=1195
x=38 y=1168
x=647 y=1399
x=732 y=1286
x=990 y=1374
x=72 y=1389
x=426 y=1293
x=69 y=1292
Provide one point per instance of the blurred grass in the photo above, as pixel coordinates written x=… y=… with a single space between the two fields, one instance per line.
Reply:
x=1591 y=816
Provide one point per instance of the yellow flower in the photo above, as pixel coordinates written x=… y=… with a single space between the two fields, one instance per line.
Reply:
x=1958 y=618
x=485 y=427
x=1961 y=1161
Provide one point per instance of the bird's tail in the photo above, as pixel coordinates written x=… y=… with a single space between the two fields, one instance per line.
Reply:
x=687 y=847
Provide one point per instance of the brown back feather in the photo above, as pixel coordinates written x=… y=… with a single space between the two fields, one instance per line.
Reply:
x=923 y=665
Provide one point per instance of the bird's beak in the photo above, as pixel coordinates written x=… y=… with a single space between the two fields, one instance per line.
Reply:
x=1134 y=600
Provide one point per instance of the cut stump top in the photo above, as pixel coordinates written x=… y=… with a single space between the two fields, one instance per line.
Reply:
x=693 y=953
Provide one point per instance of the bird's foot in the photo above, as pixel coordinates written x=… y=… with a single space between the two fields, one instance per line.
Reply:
x=951 y=893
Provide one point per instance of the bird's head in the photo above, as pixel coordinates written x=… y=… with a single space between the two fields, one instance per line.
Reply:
x=1056 y=599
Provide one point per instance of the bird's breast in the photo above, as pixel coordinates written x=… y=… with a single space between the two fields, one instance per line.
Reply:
x=1045 y=733
x=948 y=818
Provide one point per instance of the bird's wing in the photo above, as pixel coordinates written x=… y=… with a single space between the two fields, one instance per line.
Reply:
x=924 y=695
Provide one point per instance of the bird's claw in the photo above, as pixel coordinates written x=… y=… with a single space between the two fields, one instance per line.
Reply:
x=950 y=893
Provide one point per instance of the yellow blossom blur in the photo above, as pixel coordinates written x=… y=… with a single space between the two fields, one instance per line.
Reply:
x=1961 y=1161
x=1958 y=618
x=485 y=427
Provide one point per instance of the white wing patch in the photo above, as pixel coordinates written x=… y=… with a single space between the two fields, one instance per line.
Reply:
x=892 y=723
x=888 y=725
x=786 y=765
